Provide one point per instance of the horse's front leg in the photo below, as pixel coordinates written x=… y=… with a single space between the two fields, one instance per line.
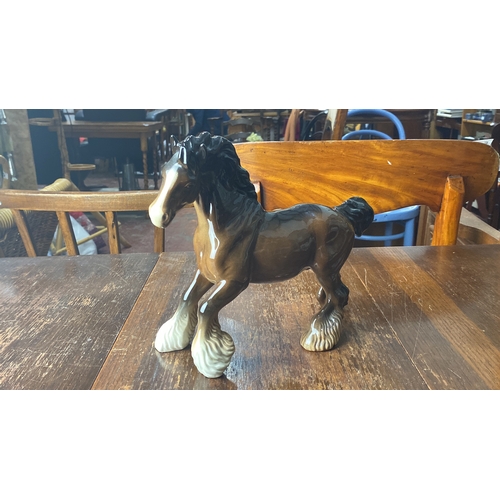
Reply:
x=178 y=331
x=212 y=349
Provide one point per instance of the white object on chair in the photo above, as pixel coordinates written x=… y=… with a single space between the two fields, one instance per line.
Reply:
x=87 y=248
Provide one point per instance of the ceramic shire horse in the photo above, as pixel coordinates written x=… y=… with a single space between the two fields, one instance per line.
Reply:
x=237 y=242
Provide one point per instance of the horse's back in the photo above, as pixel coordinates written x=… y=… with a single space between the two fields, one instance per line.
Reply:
x=298 y=238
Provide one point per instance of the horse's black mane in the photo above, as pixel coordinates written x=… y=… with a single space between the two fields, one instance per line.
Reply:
x=219 y=158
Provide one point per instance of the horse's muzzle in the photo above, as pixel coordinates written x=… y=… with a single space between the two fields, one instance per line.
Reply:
x=159 y=217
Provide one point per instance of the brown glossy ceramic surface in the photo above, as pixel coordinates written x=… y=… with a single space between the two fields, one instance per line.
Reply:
x=237 y=242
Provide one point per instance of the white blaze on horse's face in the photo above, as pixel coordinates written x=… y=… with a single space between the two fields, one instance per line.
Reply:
x=177 y=189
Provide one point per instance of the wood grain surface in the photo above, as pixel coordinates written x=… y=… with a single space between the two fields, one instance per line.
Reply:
x=418 y=318
x=79 y=201
x=388 y=174
x=61 y=315
x=120 y=130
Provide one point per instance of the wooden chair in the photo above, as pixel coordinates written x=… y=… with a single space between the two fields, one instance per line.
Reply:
x=489 y=204
x=18 y=201
x=405 y=218
x=42 y=224
x=239 y=129
x=67 y=166
x=333 y=128
x=440 y=174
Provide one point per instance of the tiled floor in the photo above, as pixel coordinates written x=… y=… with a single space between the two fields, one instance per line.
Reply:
x=138 y=230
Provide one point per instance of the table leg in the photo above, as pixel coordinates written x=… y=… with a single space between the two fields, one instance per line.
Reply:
x=144 y=149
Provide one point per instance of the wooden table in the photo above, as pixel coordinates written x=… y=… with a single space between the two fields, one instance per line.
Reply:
x=120 y=130
x=418 y=318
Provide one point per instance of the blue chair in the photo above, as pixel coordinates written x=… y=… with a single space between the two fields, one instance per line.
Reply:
x=352 y=113
x=404 y=216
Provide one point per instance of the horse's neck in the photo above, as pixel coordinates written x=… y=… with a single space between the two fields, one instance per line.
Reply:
x=226 y=209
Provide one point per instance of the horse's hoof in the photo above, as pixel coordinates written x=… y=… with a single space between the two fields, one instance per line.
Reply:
x=174 y=335
x=324 y=332
x=213 y=354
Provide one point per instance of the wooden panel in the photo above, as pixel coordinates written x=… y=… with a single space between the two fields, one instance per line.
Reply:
x=120 y=130
x=265 y=322
x=113 y=233
x=77 y=201
x=67 y=233
x=448 y=218
x=24 y=232
x=446 y=320
x=61 y=315
x=388 y=174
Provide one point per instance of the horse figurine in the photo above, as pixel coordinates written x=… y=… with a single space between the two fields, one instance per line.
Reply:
x=237 y=242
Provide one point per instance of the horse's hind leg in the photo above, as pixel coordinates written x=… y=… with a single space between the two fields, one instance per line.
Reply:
x=212 y=348
x=178 y=331
x=325 y=329
x=321 y=296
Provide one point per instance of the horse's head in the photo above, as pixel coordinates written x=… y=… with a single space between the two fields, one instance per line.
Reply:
x=179 y=187
x=197 y=165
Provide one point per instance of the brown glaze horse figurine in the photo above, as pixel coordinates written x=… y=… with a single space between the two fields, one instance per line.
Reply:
x=237 y=242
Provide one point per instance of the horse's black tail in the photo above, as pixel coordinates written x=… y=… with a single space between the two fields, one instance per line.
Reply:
x=358 y=212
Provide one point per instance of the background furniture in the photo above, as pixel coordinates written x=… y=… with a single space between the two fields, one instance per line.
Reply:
x=474 y=231
x=241 y=129
x=42 y=226
x=438 y=174
x=488 y=205
x=416 y=122
x=368 y=129
x=133 y=139
x=64 y=202
x=313 y=126
x=303 y=124
x=402 y=300
x=4 y=173
x=142 y=141
x=15 y=141
x=476 y=128
x=68 y=168
x=405 y=217
x=268 y=123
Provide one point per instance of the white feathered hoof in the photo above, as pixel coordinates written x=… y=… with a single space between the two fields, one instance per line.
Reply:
x=324 y=333
x=176 y=333
x=212 y=352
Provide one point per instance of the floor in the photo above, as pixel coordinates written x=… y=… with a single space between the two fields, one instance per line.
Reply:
x=136 y=227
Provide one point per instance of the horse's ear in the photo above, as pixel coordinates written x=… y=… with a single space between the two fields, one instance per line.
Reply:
x=174 y=144
x=203 y=152
x=183 y=155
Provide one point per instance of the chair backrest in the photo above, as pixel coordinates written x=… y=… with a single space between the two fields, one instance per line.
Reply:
x=333 y=127
x=380 y=113
x=238 y=129
x=42 y=225
x=62 y=203
x=440 y=174
x=405 y=217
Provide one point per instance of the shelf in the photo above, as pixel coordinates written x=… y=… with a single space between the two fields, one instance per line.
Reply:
x=479 y=122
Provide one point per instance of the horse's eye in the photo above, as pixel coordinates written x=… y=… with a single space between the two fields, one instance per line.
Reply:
x=187 y=186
